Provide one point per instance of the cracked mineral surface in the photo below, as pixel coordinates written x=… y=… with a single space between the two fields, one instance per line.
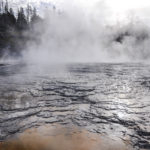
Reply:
x=106 y=99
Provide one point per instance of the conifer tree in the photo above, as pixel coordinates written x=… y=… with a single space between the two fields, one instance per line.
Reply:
x=6 y=7
x=21 y=20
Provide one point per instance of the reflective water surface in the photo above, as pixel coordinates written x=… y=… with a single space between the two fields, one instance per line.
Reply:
x=107 y=99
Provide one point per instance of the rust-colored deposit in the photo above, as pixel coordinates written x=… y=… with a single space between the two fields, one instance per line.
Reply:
x=58 y=138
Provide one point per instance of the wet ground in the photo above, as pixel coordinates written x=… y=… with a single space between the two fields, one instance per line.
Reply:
x=107 y=99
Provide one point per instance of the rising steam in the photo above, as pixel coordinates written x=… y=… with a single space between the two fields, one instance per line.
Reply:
x=76 y=36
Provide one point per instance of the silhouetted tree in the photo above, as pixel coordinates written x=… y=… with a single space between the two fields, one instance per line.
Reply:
x=12 y=27
x=6 y=7
x=35 y=18
x=21 y=20
x=29 y=13
x=2 y=7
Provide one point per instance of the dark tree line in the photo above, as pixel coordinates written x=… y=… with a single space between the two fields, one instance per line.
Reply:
x=13 y=26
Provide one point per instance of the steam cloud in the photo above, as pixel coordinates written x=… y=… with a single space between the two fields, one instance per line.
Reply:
x=74 y=35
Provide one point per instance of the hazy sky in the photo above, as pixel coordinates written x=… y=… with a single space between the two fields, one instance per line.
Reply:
x=114 y=9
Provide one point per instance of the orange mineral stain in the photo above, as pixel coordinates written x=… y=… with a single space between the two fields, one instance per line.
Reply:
x=60 y=138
